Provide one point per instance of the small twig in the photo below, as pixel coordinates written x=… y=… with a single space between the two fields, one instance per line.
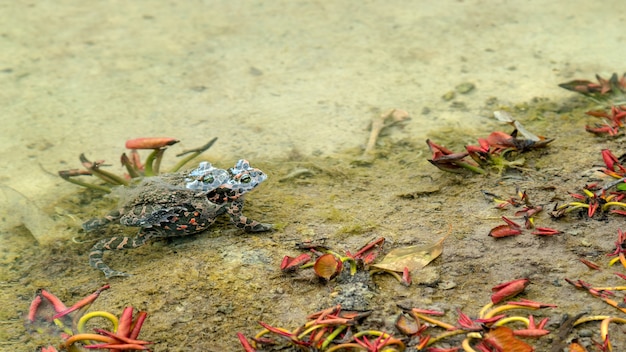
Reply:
x=610 y=185
x=379 y=124
x=192 y=154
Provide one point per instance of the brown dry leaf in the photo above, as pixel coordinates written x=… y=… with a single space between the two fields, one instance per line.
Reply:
x=412 y=257
x=327 y=266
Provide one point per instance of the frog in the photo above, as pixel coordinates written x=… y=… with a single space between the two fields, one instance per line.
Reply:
x=177 y=204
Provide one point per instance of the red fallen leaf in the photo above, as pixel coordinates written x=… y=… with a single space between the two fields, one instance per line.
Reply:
x=406 y=325
x=467 y=323
x=327 y=266
x=246 y=345
x=508 y=289
x=290 y=263
x=437 y=349
x=538 y=305
x=502 y=339
x=576 y=347
x=545 y=231
x=150 y=142
x=601 y=129
x=500 y=139
x=511 y=223
x=83 y=302
x=533 y=330
x=406 y=276
x=589 y=264
x=504 y=231
x=438 y=150
x=580 y=86
x=370 y=251
x=48 y=349
x=609 y=159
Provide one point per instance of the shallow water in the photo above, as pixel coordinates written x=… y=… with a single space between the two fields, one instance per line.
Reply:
x=272 y=81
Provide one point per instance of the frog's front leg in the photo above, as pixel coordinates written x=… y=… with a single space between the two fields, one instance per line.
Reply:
x=115 y=243
x=235 y=211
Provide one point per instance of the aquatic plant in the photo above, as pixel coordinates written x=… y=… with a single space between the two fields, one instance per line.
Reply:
x=498 y=151
x=123 y=336
x=528 y=212
x=489 y=331
x=599 y=200
x=132 y=163
x=399 y=263
x=331 y=329
x=611 y=90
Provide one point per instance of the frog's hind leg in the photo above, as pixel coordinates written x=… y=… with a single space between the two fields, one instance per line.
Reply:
x=115 y=243
x=93 y=224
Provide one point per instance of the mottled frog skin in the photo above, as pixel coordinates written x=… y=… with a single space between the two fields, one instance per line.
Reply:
x=178 y=204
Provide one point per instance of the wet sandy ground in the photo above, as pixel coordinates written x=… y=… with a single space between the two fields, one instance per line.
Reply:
x=201 y=290
x=298 y=91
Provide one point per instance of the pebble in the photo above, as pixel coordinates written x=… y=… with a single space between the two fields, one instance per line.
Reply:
x=465 y=87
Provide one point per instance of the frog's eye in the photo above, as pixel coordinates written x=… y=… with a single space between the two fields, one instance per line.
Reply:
x=245 y=179
x=208 y=179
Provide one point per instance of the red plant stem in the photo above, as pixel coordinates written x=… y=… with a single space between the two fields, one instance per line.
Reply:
x=150 y=143
x=244 y=342
x=119 y=337
x=32 y=310
x=369 y=246
x=141 y=317
x=56 y=302
x=118 y=346
x=589 y=264
x=83 y=302
x=126 y=320
x=135 y=159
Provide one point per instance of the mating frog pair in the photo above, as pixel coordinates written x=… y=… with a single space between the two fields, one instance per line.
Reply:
x=178 y=204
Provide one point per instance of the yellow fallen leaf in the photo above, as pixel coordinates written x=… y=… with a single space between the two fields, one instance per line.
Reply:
x=412 y=257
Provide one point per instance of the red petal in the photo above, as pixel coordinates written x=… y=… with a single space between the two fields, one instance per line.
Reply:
x=150 y=143
x=327 y=266
x=290 y=263
x=504 y=231
x=508 y=290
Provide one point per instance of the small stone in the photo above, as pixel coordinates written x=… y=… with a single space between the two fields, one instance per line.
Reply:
x=585 y=333
x=459 y=105
x=446 y=285
x=448 y=96
x=428 y=276
x=465 y=87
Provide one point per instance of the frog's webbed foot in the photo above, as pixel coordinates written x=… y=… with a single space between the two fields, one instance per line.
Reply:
x=115 y=243
x=113 y=273
x=258 y=227
x=250 y=225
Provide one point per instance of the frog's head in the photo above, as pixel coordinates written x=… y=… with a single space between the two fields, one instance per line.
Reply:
x=206 y=178
x=242 y=179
